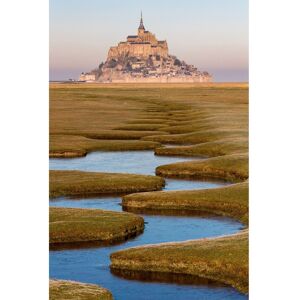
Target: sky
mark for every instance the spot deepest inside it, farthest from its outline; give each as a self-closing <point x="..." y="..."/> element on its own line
<point x="210" y="34"/>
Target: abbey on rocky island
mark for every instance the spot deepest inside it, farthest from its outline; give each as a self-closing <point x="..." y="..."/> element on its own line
<point x="143" y="58"/>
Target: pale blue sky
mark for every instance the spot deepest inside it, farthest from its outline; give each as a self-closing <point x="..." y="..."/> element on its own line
<point x="211" y="34"/>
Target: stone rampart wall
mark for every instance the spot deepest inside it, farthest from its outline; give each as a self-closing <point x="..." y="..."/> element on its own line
<point x="192" y="79"/>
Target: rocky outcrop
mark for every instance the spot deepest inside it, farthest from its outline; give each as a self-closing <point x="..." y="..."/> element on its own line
<point x="133" y="69"/>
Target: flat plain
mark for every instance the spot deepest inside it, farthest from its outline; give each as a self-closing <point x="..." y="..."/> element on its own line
<point x="201" y="120"/>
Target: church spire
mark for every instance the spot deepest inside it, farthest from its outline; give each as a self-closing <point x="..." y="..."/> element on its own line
<point x="141" y="22"/>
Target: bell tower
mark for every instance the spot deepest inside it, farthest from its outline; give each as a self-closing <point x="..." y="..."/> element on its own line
<point x="141" y="28"/>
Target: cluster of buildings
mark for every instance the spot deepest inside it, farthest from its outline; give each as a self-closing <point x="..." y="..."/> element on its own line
<point x="143" y="58"/>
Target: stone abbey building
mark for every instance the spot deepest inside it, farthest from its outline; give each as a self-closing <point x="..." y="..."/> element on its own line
<point x="142" y="45"/>
<point x="143" y="58"/>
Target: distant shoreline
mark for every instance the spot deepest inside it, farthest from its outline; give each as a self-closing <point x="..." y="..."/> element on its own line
<point x="152" y="83"/>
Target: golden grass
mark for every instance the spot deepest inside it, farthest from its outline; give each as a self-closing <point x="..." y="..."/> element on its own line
<point x="230" y="201"/>
<point x="224" y="259"/>
<point x="76" y="225"/>
<point x="140" y="127"/>
<point x="73" y="146"/>
<point x="232" y="167"/>
<point x="209" y="149"/>
<point x="72" y="183"/>
<point x="66" y="290"/>
<point x="202" y="136"/>
<point x="175" y="113"/>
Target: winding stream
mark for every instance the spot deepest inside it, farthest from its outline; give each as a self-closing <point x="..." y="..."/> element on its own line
<point x="91" y="265"/>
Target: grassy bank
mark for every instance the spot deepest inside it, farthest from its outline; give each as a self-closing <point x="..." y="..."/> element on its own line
<point x="74" y="146"/>
<point x="210" y="149"/>
<point x="230" y="201"/>
<point x="64" y="290"/>
<point x="197" y="137"/>
<point x="230" y="167"/>
<point x="78" y="183"/>
<point x="223" y="259"/>
<point x="75" y="225"/>
<point x="113" y="134"/>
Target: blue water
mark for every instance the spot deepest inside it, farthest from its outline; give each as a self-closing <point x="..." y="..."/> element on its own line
<point x="137" y="162"/>
<point x="91" y="265"/>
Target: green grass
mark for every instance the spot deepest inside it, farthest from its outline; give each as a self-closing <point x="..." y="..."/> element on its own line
<point x="230" y="167"/>
<point x="230" y="201"/>
<point x="66" y="290"/>
<point x="73" y="146"/>
<point x="78" y="183"/>
<point x="223" y="259"/>
<point x="76" y="225"/>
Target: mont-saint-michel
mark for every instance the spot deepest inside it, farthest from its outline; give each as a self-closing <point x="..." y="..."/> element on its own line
<point x="143" y="58"/>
